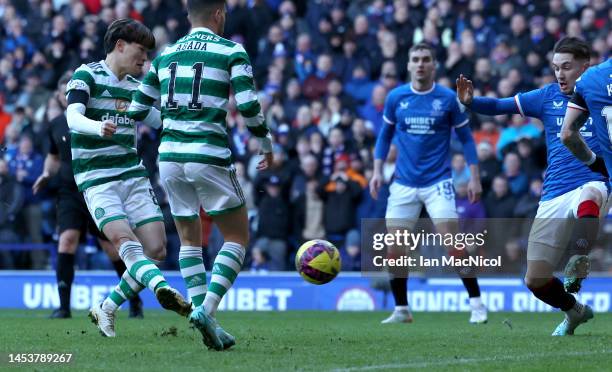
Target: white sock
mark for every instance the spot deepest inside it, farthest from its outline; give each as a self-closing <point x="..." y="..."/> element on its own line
<point x="402" y="308"/>
<point x="475" y="302"/>
<point x="228" y="264"/>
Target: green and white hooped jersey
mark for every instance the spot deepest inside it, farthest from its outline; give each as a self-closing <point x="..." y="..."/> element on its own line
<point x="97" y="160"/>
<point x="193" y="78"/>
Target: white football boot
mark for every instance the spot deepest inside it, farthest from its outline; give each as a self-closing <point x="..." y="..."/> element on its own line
<point x="479" y="315"/>
<point x="399" y="316"/>
<point x="104" y="320"/>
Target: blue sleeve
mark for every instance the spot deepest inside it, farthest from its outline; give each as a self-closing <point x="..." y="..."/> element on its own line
<point x="469" y="147"/>
<point x="494" y="106"/>
<point x="389" y="110"/>
<point x="383" y="142"/>
<point x="530" y="103"/>
<point x="458" y="116"/>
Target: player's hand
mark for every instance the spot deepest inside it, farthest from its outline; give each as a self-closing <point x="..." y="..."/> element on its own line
<point x="465" y="90"/>
<point x="41" y="182"/>
<point x="375" y="184"/>
<point x="474" y="191"/>
<point x="599" y="166"/>
<point x="108" y="129"/>
<point x="265" y="162"/>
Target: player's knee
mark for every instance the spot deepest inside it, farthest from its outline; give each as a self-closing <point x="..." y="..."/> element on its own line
<point x="69" y="241"/>
<point x="535" y="283"/>
<point x="157" y="251"/>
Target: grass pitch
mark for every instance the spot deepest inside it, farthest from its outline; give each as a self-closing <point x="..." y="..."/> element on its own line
<point x="312" y="341"/>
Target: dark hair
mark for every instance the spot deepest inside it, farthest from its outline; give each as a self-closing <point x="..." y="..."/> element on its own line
<point x="203" y="8"/>
<point x="574" y="46"/>
<point x="423" y="46"/>
<point x="130" y="31"/>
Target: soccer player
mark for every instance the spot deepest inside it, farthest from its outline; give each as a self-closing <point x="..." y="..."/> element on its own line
<point x="422" y="115"/>
<point x="572" y="192"/>
<point x="592" y="94"/>
<point x="109" y="172"/>
<point x="73" y="218"/>
<point x="193" y="78"/>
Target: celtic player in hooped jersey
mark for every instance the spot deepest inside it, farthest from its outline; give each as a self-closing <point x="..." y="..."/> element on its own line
<point x="193" y="78"/>
<point x="110" y="173"/>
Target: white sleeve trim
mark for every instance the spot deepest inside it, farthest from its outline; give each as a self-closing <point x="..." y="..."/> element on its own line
<point x="77" y="121"/>
<point x="265" y="143"/>
<point x="518" y="104"/>
<point x="462" y="124"/>
<point x="577" y="107"/>
<point x="153" y="119"/>
<point x="387" y="120"/>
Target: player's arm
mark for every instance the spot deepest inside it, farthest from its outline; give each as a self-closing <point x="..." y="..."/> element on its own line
<point x="50" y="169"/>
<point x="243" y="85"/>
<point x="141" y="108"/>
<point x="485" y="105"/>
<point x="383" y="144"/>
<point x="460" y="122"/>
<point x="576" y="115"/>
<point x="78" y="92"/>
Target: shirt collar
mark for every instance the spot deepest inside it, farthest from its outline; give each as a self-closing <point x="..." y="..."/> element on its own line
<point x="201" y="29"/>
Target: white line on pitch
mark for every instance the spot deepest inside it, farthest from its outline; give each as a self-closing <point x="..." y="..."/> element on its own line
<point x="426" y="364"/>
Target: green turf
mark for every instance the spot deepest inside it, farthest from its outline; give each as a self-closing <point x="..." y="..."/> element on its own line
<point x="314" y="341"/>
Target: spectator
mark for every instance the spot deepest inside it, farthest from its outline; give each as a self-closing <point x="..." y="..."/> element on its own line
<point x="488" y="164"/>
<point x="273" y="224"/>
<point x="373" y="110"/>
<point x="11" y="198"/>
<point x="315" y="85"/>
<point x="351" y="253"/>
<point x="500" y="203"/>
<point x="527" y="205"/>
<point x="517" y="179"/>
<point x="26" y="167"/>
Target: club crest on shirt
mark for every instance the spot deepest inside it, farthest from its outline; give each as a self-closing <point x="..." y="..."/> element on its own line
<point x="436" y="107"/>
<point x="121" y="105"/>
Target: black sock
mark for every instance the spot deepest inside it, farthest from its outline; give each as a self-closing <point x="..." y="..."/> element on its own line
<point x="399" y="288"/>
<point x="471" y="286"/>
<point x="119" y="267"/>
<point x="65" y="275"/>
<point x="555" y="295"/>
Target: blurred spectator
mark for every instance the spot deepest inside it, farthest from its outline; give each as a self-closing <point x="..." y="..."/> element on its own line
<point x="11" y="199"/>
<point x="527" y="205"/>
<point x="373" y="110"/>
<point x="519" y="127"/>
<point x="460" y="169"/>
<point x="26" y="167"/>
<point x="488" y="164"/>
<point x="315" y="85"/>
<point x="517" y="179"/>
<point x="273" y="225"/>
<point x="500" y="202"/>
<point x="259" y="260"/>
<point x="351" y="252"/>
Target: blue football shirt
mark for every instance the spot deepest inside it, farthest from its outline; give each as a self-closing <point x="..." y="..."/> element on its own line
<point x="564" y="172"/>
<point x="593" y="93"/>
<point x="423" y="125"/>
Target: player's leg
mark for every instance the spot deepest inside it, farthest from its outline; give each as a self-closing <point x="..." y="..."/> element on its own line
<point x="548" y="238"/>
<point x="221" y="196"/>
<point x="588" y="210"/>
<point x="146" y="219"/>
<point x="131" y="287"/>
<point x="403" y="209"/>
<point x="439" y="201"/>
<point x="71" y="214"/>
<point x="185" y="207"/>
<point x="68" y="243"/>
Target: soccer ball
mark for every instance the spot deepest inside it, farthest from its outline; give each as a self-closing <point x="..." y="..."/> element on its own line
<point x="318" y="261"/>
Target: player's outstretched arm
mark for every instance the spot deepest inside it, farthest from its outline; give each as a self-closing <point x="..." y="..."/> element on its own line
<point x="484" y="105"/>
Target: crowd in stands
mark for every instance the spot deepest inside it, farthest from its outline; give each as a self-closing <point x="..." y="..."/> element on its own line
<point x="323" y="69"/>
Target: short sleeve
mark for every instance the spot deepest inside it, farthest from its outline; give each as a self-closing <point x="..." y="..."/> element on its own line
<point x="530" y="103"/>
